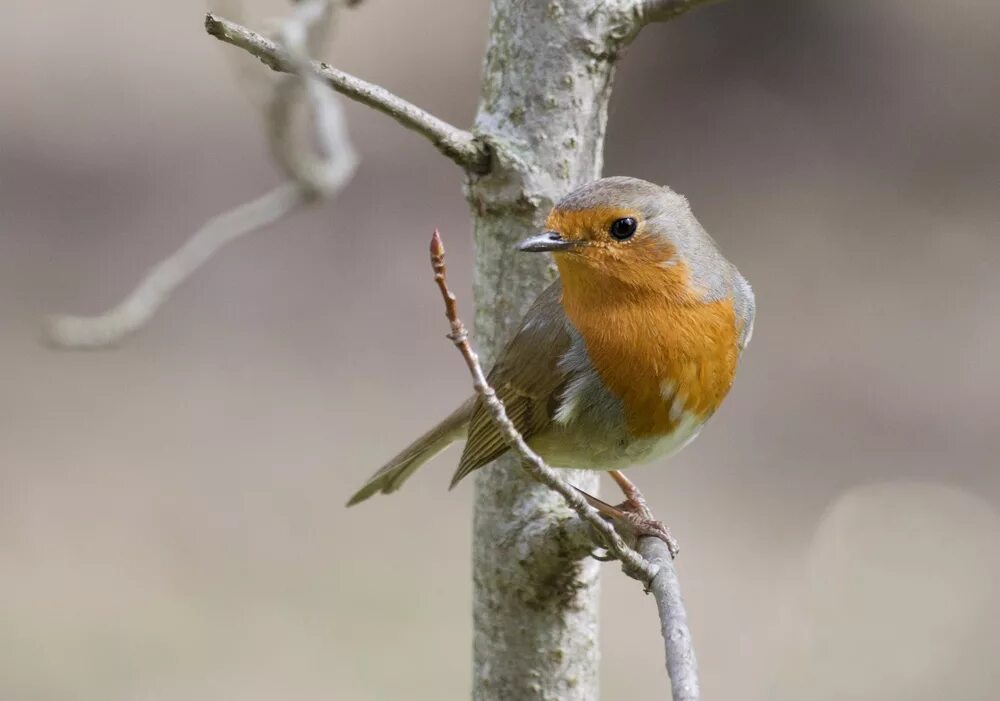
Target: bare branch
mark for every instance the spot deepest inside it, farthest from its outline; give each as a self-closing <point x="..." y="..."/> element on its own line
<point x="664" y="10"/>
<point x="457" y="144"/>
<point x="313" y="176"/>
<point x="163" y="278"/>
<point x="682" y="665"/>
<point x="325" y="172"/>
<point x="654" y="568"/>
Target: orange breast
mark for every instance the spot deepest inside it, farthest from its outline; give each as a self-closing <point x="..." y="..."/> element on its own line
<point x="662" y="353"/>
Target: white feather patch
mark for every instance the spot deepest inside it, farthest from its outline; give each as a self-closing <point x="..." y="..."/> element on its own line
<point x="570" y="400"/>
<point x="668" y="388"/>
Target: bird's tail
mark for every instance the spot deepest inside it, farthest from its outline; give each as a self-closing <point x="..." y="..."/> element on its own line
<point x="391" y="476"/>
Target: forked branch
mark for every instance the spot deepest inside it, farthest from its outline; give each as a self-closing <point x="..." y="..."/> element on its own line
<point x="654" y="567"/>
<point x="457" y="144"/>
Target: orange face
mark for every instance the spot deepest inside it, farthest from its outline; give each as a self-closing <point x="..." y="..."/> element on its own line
<point x="651" y="335"/>
<point x="642" y="260"/>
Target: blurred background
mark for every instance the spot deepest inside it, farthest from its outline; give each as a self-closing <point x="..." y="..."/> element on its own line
<point x="171" y="511"/>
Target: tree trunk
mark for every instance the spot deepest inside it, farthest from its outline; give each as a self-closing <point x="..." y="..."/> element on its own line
<point x="546" y="84"/>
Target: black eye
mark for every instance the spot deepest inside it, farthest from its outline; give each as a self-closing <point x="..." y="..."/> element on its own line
<point x="622" y="229"/>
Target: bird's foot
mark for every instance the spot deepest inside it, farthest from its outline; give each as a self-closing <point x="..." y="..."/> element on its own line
<point x="634" y="513"/>
<point x="639" y="519"/>
<point x="638" y="514"/>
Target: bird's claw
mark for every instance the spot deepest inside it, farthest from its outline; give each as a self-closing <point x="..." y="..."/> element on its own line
<point x="636" y="514"/>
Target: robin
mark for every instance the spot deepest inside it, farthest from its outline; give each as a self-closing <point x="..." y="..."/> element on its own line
<point x="619" y="361"/>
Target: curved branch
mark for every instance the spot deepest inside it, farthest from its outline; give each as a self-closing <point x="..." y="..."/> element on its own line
<point x="327" y="170"/>
<point x="653" y="567"/>
<point x="163" y="278"/>
<point x="313" y="176"/>
<point x="532" y="462"/>
<point x="457" y="144"/>
<point x="682" y="665"/>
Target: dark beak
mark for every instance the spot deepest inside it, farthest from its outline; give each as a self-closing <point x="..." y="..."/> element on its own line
<point x="546" y="241"/>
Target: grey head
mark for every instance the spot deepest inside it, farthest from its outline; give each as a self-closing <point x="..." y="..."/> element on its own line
<point x="666" y="214"/>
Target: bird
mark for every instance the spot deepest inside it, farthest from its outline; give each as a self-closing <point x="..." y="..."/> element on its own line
<point x="623" y="358"/>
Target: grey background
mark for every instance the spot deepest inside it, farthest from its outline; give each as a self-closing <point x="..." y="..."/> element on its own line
<point x="171" y="520"/>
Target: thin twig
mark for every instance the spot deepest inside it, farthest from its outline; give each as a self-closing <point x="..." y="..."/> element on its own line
<point x="138" y="307"/>
<point x="313" y="176"/>
<point x="328" y="169"/>
<point x="457" y="144"/>
<point x="532" y="462"/>
<point x="654" y="567"/>
<point x="682" y="665"/>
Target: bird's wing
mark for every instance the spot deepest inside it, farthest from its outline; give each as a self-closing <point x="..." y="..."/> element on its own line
<point x="527" y="378"/>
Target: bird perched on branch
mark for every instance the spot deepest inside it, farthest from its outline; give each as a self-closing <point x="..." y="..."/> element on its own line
<point x="624" y="357"/>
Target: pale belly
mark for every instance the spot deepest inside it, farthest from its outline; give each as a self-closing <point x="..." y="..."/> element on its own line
<point x="585" y="446"/>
